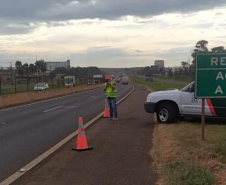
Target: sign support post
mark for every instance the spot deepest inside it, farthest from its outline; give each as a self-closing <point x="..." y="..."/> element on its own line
<point x="203" y="120"/>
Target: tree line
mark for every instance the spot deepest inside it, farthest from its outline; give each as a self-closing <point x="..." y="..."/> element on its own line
<point x="23" y="70"/>
<point x="27" y="69"/>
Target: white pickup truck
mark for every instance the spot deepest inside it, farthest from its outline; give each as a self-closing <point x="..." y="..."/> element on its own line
<point x="172" y="104"/>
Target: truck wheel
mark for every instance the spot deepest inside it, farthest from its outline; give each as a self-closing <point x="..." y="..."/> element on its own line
<point x="166" y="113"/>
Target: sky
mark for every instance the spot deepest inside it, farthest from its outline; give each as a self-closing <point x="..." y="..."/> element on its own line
<point x="108" y="33"/>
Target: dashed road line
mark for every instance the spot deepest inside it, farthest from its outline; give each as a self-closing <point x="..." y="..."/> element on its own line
<point x="92" y="96"/>
<point x="73" y="106"/>
<point x="52" y="109"/>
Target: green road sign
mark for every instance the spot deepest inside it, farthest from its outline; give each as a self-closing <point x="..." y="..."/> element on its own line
<point x="210" y="75"/>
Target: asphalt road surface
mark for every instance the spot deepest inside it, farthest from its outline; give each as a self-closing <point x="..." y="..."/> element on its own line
<point x="120" y="155"/>
<point x="28" y="131"/>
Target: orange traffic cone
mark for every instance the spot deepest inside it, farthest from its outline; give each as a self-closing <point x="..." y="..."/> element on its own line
<point x="106" y="110"/>
<point x="81" y="139"/>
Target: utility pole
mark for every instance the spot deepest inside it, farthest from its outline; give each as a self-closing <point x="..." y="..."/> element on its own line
<point x="87" y="74"/>
<point x="36" y="66"/>
<point x="11" y="71"/>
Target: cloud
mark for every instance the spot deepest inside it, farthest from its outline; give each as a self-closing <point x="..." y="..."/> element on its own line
<point x="14" y="14"/>
<point x="203" y="26"/>
<point x="98" y="55"/>
<point x="121" y="57"/>
<point x="175" y="55"/>
<point x="222" y="25"/>
<point x="59" y="24"/>
<point x="127" y="30"/>
<point x="219" y="14"/>
<point x="58" y="10"/>
<point x="221" y="37"/>
<point x="16" y="28"/>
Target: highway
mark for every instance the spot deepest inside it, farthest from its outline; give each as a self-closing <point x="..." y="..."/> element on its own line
<point x="28" y="131"/>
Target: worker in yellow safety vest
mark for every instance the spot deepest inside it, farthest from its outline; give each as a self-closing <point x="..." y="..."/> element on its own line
<point x="111" y="95"/>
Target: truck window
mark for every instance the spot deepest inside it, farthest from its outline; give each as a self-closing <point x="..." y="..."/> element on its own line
<point x="193" y="87"/>
<point x="189" y="88"/>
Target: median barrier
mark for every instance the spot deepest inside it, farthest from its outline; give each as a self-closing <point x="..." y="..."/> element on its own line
<point x="20" y="98"/>
<point x="33" y="96"/>
<point x="6" y="100"/>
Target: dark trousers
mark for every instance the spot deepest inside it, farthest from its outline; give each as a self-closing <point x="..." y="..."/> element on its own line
<point x="113" y="107"/>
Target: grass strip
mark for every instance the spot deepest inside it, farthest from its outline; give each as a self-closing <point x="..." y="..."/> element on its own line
<point x="156" y="85"/>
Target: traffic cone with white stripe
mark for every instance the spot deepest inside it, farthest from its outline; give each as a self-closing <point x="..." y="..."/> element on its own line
<point x="81" y="139"/>
<point x="106" y="110"/>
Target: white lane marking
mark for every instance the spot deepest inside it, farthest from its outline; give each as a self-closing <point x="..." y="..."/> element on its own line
<point x="72" y="106"/>
<point x="92" y="96"/>
<point x="49" y="99"/>
<point x="22" y="170"/>
<point x="40" y="158"/>
<point x="53" y="109"/>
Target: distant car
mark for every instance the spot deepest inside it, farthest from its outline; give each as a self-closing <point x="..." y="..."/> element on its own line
<point x="118" y="80"/>
<point x="41" y="86"/>
<point x="125" y="80"/>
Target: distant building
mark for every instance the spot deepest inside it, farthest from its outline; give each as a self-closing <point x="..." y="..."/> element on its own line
<point x="160" y="63"/>
<point x="50" y="66"/>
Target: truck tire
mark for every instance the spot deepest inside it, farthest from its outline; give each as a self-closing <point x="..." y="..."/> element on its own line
<point x="166" y="113"/>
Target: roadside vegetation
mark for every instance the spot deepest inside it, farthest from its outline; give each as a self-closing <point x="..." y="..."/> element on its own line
<point x="155" y="85"/>
<point x="181" y="78"/>
<point x="180" y="157"/>
<point x="12" y="91"/>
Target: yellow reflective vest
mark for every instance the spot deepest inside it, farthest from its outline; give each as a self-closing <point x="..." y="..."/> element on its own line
<point x="110" y="92"/>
